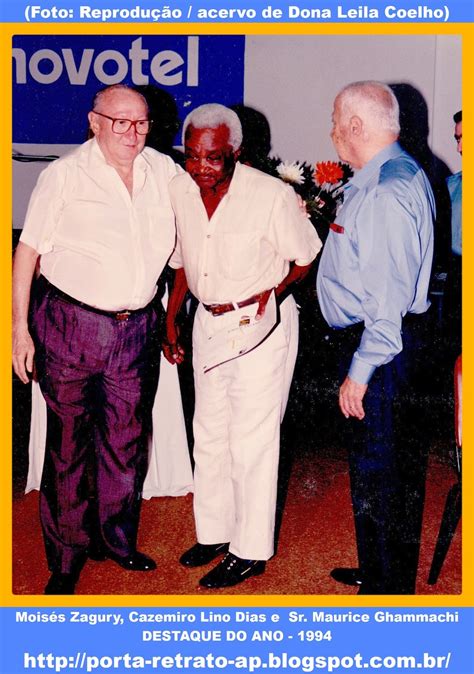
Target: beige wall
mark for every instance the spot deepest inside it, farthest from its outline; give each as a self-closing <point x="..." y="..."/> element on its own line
<point x="293" y="80"/>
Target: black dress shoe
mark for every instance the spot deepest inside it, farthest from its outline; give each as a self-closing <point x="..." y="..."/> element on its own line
<point x="201" y="554"/>
<point x="347" y="576"/>
<point x="137" y="561"/>
<point x="231" y="571"/>
<point x="61" y="583"/>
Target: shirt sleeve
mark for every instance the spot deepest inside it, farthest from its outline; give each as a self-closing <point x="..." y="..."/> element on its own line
<point x="176" y="259"/>
<point x="174" y="169"/>
<point x="45" y="208"/>
<point x="291" y="232"/>
<point x="390" y="263"/>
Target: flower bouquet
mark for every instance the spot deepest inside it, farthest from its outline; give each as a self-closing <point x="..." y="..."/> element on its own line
<point x="320" y="186"/>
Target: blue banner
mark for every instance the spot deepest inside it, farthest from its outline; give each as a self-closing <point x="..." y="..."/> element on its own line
<point x="233" y="639"/>
<point x="116" y="11"/>
<point x="53" y="75"/>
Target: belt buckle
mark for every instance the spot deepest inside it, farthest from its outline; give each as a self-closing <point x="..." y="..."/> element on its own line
<point x="122" y="315"/>
<point x="212" y="307"/>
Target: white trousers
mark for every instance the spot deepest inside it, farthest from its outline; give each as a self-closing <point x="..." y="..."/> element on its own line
<point x="239" y="408"/>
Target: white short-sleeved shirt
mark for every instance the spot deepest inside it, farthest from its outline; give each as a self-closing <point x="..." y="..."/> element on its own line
<point x="248" y="243"/>
<point x="97" y="243"/>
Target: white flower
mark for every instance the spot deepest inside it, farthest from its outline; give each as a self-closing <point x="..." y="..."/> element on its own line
<point x="291" y="173"/>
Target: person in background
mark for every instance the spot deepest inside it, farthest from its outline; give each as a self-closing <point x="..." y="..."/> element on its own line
<point x="100" y="219"/>
<point x="242" y="239"/>
<point x="372" y="287"/>
<point x="453" y="300"/>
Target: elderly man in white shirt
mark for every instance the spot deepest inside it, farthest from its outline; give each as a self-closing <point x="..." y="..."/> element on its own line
<point x="100" y="219"/>
<point x="241" y="236"/>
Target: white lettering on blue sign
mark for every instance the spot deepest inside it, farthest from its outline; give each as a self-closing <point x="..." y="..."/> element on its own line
<point x="167" y="67"/>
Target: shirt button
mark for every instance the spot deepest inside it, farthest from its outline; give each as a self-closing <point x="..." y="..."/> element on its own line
<point x="208" y="236"/>
<point x="205" y="274"/>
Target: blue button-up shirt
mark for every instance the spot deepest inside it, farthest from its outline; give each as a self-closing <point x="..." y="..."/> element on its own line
<point x="455" y="192"/>
<point x="376" y="262"/>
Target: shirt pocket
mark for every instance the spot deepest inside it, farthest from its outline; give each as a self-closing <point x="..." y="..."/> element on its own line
<point x="161" y="229"/>
<point x="238" y="254"/>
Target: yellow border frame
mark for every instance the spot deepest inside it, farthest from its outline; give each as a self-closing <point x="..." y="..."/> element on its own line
<point x="8" y="599"/>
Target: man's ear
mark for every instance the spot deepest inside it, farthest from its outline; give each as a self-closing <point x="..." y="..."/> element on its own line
<point x="93" y="123"/>
<point x="237" y="153"/>
<point x="356" y="125"/>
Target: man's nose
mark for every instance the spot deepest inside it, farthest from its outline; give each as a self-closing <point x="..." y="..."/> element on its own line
<point x="132" y="130"/>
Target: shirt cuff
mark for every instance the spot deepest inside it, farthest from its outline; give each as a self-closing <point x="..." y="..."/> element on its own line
<point x="176" y="260"/>
<point x="175" y="264"/>
<point x="305" y="262"/>
<point x="360" y="371"/>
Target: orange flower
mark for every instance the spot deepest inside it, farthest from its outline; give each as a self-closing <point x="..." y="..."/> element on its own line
<point x="328" y="172"/>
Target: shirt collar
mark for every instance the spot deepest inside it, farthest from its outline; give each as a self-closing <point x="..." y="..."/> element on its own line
<point x="373" y="166"/>
<point x="236" y="184"/>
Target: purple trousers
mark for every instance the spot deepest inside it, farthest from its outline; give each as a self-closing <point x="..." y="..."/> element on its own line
<point x="99" y="377"/>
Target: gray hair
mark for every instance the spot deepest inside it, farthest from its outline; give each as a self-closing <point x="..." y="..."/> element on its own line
<point x="213" y="115"/>
<point x="374" y="102"/>
<point x="103" y="93"/>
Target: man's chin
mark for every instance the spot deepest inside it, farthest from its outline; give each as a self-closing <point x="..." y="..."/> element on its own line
<point x="131" y="150"/>
<point x="204" y="182"/>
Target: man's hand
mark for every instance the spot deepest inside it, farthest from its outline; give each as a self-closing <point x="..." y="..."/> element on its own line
<point x="23" y="352"/>
<point x="172" y="350"/>
<point x="174" y="353"/>
<point x="302" y="205"/>
<point x="350" y="398"/>
<point x="262" y="303"/>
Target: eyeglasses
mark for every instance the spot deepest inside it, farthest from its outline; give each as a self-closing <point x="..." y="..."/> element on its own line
<point x="120" y="126"/>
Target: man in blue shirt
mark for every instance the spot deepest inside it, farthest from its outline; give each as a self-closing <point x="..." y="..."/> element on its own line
<point x="372" y="287"/>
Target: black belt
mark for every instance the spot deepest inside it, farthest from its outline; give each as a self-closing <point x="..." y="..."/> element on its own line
<point x="122" y="315"/>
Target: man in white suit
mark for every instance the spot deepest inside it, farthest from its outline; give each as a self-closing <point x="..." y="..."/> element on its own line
<point x="241" y="235"/>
